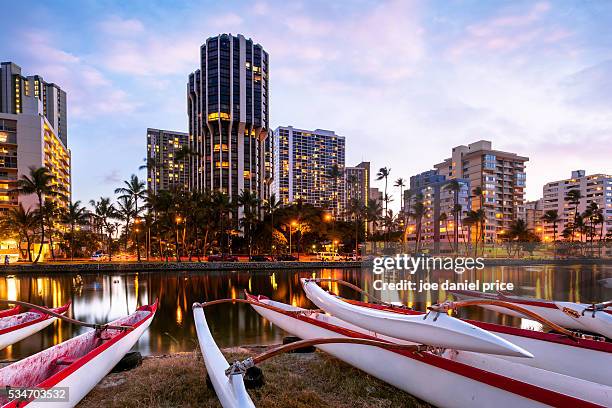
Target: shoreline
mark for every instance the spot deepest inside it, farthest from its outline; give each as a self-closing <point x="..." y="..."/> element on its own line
<point x="95" y="267"/>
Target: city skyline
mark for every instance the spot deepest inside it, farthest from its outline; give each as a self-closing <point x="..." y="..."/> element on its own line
<point x="530" y="77"/>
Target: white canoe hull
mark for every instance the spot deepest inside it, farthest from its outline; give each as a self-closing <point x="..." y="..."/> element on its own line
<point x="434" y="329"/>
<point x="230" y="390"/>
<point x="82" y="377"/>
<point x="557" y="312"/>
<point x="444" y="386"/>
<point x="14" y="336"/>
<point x="579" y="356"/>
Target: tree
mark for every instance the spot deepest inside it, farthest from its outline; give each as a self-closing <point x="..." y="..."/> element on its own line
<point x="50" y="213"/>
<point x="454" y="186"/>
<point x="126" y="212"/>
<point x="136" y="189"/>
<point x="401" y="183"/>
<point x="75" y="215"/>
<point x="104" y="212"/>
<point x="334" y="173"/>
<point x="270" y="206"/>
<point x="39" y="182"/>
<point x="22" y="223"/>
<point x="552" y="217"/>
<point x="249" y="201"/>
<point x="357" y="211"/>
<point x="475" y="219"/>
<point x="384" y="173"/>
<point x="573" y="197"/>
<point x="417" y="213"/>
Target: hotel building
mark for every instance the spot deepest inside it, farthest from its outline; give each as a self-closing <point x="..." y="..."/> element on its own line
<point x="500" y="175"/>
<point x="303" y="160"/>
<point x="357" y="181"/>
<point x="33" y="133"/>
<point x="595" y="188"/>
<point x="227" y="102"/>
<point x="437" y="199"/>
<point x="164" y="170"/>
<point x="533" y="217"/>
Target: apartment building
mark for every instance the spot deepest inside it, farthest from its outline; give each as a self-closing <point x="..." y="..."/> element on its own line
<point x="438" y="197"/>
<point x="33" y="133"/>
<point x="501" y="176"/>
<point x="167" y="163"/>
<point x="594" y="188"/>
<point x="228" y="110"/>
<point x="534" y="210"/>
<point x="357" y="180"/>
<point x="303" y="165"/>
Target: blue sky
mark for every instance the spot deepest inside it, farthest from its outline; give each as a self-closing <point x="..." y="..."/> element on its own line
<point x="404" y="81"/>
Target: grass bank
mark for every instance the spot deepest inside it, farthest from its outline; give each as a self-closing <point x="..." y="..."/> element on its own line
<point x="291" y="381"/>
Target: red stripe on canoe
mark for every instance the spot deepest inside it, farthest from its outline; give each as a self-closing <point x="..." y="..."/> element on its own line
<point x="517" y="387"/>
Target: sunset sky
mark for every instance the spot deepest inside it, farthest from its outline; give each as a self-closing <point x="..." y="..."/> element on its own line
<point x="403" y="81"/>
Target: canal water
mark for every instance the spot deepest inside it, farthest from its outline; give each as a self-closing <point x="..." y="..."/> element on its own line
<point x="100" y="298"/>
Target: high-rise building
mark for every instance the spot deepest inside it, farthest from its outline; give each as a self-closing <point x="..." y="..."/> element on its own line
<point x="33" y="133"/>
<point x="303" y="165"/>
<point x="228" y="108"/>
<point x="167" y="160"/>
<point x="357" y="181"/>
<point x="595" y="188"/>
<point x="533" y="217"/>
<point x="435" y="192"/>
<point x="500" y="175"/>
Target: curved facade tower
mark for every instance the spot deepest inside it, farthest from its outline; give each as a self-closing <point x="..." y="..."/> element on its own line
<point x="228" y="117"/>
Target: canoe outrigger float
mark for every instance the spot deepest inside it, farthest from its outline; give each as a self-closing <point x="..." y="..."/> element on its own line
<point x="79" y="363"/>
<point x="593" y="318"/>
<point x="444" y="377"/>
<point x="16" y="326"/>
<point x="230" y="388"/>
<point x="435" y="330"/>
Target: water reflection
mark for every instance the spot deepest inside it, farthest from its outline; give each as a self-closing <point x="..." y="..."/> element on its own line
<point x="102" y="297"/>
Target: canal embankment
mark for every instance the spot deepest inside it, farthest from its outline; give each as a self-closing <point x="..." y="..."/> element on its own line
<point x="96" y="267"/>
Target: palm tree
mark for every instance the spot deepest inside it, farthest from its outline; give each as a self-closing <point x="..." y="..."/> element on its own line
<point x="39" y="182"/>
<point x="454" y="186"/>
<point x="334" y="173"/>
<point x="223" y="207"/>
<point x="270" y="206"/>
<point x="573" y="197"/>
<point x="444" y="218"/>
<point x="126" y="211"/>
<point x="249" y="201"/>
<point x="135" y="189"/>
<point x="475" y="218"/>
<point x="384" y="173"/>
<point x="74" y="216"/>
<point x="373" y="211"/>
<point x="479" y="192"/>
<point x="418" y="212"/>
<point x="23" y="223"/>
<point x="401" y="183"/>
<point x="104" y="212"/>
<point x="357" y="211"/>
<point x="552" y="217"/>
<point x="50" y="213"/>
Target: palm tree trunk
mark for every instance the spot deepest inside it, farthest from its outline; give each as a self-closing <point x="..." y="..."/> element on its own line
<point x="137" y="237"/>
<point x="42" y="228"/>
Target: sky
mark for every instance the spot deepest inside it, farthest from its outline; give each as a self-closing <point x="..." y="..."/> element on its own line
<point x="403" y="81"/>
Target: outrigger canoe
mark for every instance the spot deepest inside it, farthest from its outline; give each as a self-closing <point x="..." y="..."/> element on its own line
<point x="447" y="378"/>
<point x="230" y="389"/>
<point x="435" y="330"/>
<point x="578" y="316"/>
<point x="583" y="358"/>
<point x="15" y="326"/>
<point x="79" y="363"/>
